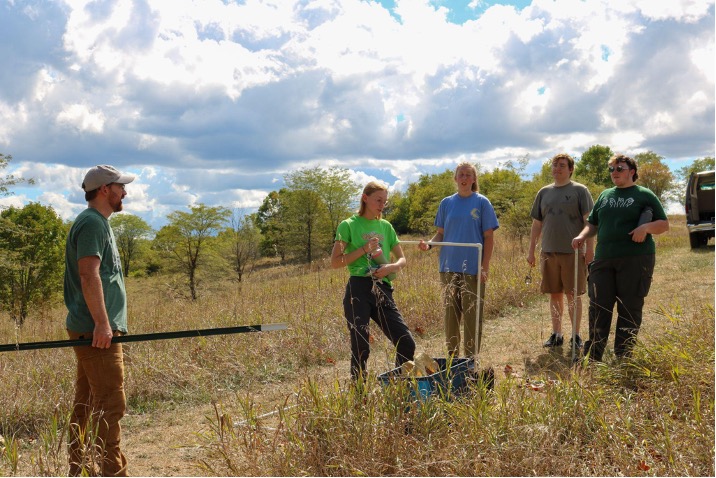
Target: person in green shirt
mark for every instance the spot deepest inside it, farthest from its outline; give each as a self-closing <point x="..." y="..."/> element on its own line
<point x="97" y="308"/>
<point x="623" y="260"/>
<point x="363" y="244"/>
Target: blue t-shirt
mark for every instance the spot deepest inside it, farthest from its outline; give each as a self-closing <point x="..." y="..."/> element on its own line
<point x="463" y="220"/>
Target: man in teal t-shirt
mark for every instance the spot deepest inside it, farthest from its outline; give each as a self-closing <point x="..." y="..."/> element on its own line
<point x="97" y="308"/>
<point x="92" y="236"/>
<point x="624" y="258"/>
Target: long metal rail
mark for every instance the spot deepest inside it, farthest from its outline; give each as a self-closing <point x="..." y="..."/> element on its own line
<point x="54" y="344"/>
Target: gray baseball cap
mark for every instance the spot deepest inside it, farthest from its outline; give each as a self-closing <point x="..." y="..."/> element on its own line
<point x="104" y="174"/>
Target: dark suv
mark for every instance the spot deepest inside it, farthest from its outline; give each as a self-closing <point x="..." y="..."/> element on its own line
<point x="699" y="206"/>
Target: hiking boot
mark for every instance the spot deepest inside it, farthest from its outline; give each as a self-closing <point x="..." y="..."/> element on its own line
<point x="577" y="342"/>
<point x="554" y="341"/>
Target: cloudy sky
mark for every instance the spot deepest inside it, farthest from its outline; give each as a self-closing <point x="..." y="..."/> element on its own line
<point x="213" y="101"/>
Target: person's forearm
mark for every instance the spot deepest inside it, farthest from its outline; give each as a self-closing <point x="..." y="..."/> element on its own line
<point x="94" y="297"/>
<point x="339" y="259"/>
<point x="535" y="232"/>
<point x="590" y="244"/>
<point x="589" y="231"/>
<point x="657" y="227"/>
<point x="488" y="246"/>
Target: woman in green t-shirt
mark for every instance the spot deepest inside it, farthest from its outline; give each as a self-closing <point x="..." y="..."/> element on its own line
<point x="624" y="258"/>
<point x="364" y="244"/>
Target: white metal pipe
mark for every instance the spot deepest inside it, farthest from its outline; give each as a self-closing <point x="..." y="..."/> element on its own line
<point x="574" y="305"/>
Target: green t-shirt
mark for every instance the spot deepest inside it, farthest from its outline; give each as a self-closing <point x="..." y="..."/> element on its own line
<point x="91" y="235"/>
<point x="356" y="231"/>
<point x="616" y="213"/>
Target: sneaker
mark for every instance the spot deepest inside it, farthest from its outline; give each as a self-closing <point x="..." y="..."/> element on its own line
<point x="554" y="341"/>
<point x="577" y="341"/>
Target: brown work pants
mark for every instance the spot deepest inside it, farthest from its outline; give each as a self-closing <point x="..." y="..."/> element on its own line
<point x="460" y="299"/>
<point x="98" y="407"/>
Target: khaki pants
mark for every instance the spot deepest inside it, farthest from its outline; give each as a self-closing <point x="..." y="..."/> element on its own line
<point x="460" y="299"/>
<point x="99" y="396"/>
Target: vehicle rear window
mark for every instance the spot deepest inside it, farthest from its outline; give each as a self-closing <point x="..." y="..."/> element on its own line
<point x="706" y="187"/>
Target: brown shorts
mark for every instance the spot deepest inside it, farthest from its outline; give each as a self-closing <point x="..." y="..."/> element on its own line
<point x="558" y="273"/>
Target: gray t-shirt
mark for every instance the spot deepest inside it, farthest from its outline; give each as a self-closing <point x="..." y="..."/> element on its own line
<point x="561" y="209"/>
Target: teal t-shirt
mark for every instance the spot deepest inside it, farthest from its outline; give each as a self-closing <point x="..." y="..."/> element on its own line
<point x="356" y="231"/>
<point x="91" y="235"/>
<point x="616" y="212"/>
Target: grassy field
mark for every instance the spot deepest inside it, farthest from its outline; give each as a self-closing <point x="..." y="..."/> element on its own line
<point x="277" y="403"/>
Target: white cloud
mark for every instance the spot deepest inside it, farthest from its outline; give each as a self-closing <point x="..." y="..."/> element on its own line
<point x="63" y="207"/>
<point x="215" y="101"/>
<point x="13" y="201"/>
<point x="702" y="57"/>
<point x="81" y="118"/>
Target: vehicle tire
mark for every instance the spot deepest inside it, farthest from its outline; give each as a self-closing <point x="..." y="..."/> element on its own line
<point x="695" y="240"/>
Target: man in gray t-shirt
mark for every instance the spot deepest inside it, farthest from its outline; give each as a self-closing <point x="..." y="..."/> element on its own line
<point x="559" y="210"/>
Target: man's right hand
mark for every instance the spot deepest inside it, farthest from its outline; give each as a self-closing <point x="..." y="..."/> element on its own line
<point x="578" y="241"/>
<point x="102" y="336"/>
<point x="531" y="258"/>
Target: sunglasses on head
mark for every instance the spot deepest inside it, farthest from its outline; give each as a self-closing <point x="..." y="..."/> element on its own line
<point x="618" y="168"/>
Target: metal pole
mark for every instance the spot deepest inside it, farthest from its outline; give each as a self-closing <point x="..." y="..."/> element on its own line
<point x="574" y="305"/>
<point x="54" y="344"/>
<point x="479" y="283"/>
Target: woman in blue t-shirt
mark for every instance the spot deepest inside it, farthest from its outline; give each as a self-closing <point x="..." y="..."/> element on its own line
<point x="465" y="217"/>
<point x="364" y="243"/>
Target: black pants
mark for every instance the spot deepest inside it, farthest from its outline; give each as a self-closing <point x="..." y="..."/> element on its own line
<point x="367" y="299"/>
<point x="626" y="282"/>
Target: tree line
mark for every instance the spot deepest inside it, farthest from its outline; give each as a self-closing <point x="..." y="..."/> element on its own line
<point x="297" y="224"/>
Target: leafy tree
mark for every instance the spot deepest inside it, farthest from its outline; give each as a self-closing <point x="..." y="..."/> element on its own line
<point x="301" y="218"/>
<point x="312" y="224"/>
<point x="655" y="175"/>
<point x="129" y="230"/>
<point x="32" y="239"/>
<point x="271" y="220"/>
<point x="592" y="166"/>
<point x="517" y="220"/>
<point x="9" y="180"/>
<point x="309" y="230"/>
<point x="337" y="190"/>
<point x="701" y="164"/>
<point x="397" y="212"/>
<point x="511" y="196"/>
<point x="544" y="176"/>
<point x="424" y="199"/>
<point x="503" y="188"/>
<point x="187" y="237"/>
<point x="241" y="241"/>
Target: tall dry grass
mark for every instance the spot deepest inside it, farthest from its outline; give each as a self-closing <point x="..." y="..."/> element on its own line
<point x="647" y="410"/>
<point x="650" y="415"/>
